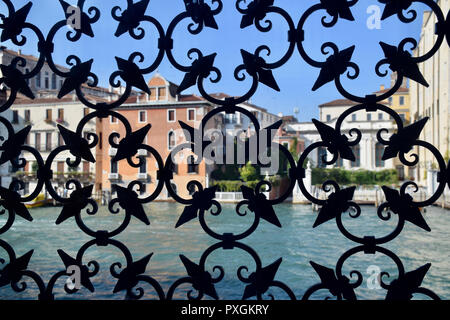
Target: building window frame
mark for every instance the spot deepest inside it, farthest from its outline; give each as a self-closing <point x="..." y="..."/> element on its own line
<point x="174" y="115"/>
<point x="114" y="166"/>
<point x="379" y="151"/>
<point x="169" y="136"/>
<point x="15" y="117"/>
<point x="192" y="167"/>
<point x="145" y="116"/>
<point x="143" y="165"/>
<point x="27" y="115"/>
<point x="187" y="114"/>
<point x="357" y="153"/>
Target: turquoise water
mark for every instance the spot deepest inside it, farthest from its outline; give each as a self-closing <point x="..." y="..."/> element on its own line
<point x="297" y="243"/>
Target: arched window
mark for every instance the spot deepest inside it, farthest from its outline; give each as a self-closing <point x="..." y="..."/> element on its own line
<point x="357" y="152"/>
<point x="192" y="166"/>
<point x="379" y="150"/>
<point x="171" y="140"/>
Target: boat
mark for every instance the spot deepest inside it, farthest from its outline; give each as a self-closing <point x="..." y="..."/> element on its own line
<point x="39" y="201"/>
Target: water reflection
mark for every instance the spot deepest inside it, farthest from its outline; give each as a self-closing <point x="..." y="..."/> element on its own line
<point x="297" y="243"/>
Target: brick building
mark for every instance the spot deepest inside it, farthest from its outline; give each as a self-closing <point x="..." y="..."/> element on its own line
<point x="163" y="109"/>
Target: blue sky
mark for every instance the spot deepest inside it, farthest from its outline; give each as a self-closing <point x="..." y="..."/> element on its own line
<point x="295" y="79"/>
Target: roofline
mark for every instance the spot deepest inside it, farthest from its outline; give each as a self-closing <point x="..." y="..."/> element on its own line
<point x="162" y="105"/>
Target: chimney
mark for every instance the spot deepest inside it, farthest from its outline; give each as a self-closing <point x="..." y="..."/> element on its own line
<point x="382" y="87"/>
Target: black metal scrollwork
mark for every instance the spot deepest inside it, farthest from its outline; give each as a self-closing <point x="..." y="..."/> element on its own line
<point x="202" y="15"/>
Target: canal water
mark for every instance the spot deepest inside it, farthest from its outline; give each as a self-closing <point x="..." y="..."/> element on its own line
<point x="296" y="242"/>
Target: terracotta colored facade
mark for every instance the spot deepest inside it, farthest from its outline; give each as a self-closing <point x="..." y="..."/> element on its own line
<point x="163" y="109"/>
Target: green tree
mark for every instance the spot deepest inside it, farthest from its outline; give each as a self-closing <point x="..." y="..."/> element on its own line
<point x="249" y="172"/>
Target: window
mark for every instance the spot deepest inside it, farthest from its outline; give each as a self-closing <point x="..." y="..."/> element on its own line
<point x="48" y="115"/>
<point x="390" y="100"/>
<point x="37" y="141"/>
<point x="38" y="80"/>
<point x="142" y="116"/>
<point x="357" y="152"/>
<point x="54" y="81"/>
<point x="86" y="168"/>
<point x="114" y="119"/>
<point x="47" y="83"/>
<point x="192" y="166"/>
<point x="402" y="101"/>
<point x="27" y="115"/>
<point x="400" y="172"/>
<point x="191" y="114"/>
<point x="143" y="167"/>
<point x="15" y="118"/>
<point x="113" y="166"/>
<point x="403" y="117"/>
<point x="322" y="155"/>
<point x="380" y="116"/>
<point x="162" y="93"/>
<point x="353" y="117"/>
<point x="175" y="168"/>
<point x="171" y="115"/>
<point x="48" y="141"/>
<point x="174" y="188"/>
<point x="60" y="140"/>
<point x="60" y="168"/>
<point x="61" y="115"/>
<point x="379" y="151"/>
<point x="369" y="117"/>
<point x="171" y="140"/>
<point x="27" y="71"/>
<point x="328" y="118"/>
<point x="100" y="140"/>
<point x="152" y="94"/>
<point x="143" y="189"/>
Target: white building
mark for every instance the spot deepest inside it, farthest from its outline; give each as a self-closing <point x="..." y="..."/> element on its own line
<point x="368" y="152"/>
<point x="44" y="113"/>
<point x="239" y="121"/>
<point x="434" y="101"/>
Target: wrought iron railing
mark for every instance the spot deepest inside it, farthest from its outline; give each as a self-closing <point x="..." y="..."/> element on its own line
<point x="202" y="15"/>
